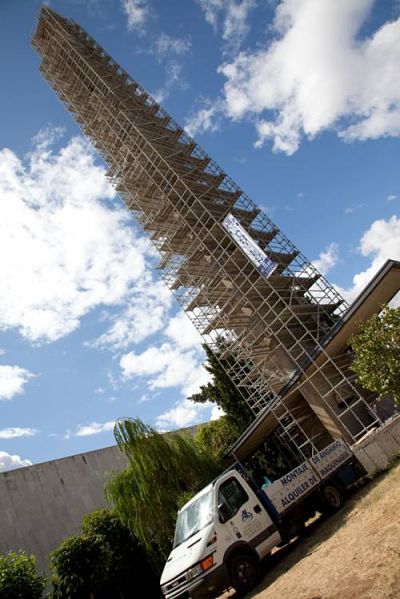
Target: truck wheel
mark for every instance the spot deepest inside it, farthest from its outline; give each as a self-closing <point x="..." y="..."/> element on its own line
<point x="332" y="498"/>
<point x="243" y="572"/>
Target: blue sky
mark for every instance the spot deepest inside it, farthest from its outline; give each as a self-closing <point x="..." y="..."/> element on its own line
<point x="299" y="101"/>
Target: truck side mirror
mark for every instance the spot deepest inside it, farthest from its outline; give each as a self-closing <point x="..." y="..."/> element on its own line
<point x="223" y="513"/>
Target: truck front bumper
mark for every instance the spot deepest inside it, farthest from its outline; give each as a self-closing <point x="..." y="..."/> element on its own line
<point x="208" y="585"/>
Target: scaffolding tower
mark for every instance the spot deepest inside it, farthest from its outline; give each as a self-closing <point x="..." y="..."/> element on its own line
<point x="258" y="303"/>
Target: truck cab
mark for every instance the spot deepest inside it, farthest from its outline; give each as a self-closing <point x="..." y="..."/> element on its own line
<point x="220" y="535"/>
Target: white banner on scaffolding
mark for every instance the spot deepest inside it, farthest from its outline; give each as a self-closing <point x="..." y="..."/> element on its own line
<point x="249" y="246"/>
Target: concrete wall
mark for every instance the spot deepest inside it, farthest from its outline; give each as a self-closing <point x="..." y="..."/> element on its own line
<point x="378" y="448"/>
<point x="43" y="504"/>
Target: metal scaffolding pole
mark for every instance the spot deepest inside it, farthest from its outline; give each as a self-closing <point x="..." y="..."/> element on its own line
<point x="263" y="326"/>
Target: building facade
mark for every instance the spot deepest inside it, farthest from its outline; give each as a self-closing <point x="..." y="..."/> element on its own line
<point x="259" y="304"/>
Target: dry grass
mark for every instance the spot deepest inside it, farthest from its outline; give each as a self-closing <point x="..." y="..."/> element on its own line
<point x="353" y="554"/>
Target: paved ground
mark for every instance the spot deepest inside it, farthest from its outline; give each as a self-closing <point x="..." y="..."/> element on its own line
<point x="354" y="554"/>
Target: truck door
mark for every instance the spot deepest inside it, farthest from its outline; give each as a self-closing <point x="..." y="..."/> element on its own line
<point x="247" y="520"/>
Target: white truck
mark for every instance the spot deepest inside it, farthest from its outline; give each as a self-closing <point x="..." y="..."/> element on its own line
<point x="227" y="528"/>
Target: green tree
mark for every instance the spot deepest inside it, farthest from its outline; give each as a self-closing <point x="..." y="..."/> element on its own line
<point x="129" y="567"/>
<point x="161" y="468"/>
<point x="81" y="566"/>
<point x="18" y="577"/>
<point x="377" y="353"/>
<point x="217" y="436"/>
<point x="269" y="459"/>
<point x="223" y="392"/>
<point x="104" y="561"/>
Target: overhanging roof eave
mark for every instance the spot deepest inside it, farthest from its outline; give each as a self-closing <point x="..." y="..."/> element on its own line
<point x="256" y="428"/>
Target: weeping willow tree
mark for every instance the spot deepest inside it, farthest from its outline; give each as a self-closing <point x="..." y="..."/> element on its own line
<point x="161" y="469"/>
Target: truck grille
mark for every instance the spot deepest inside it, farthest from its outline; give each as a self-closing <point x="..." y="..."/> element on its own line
<point x="175" y="584"/>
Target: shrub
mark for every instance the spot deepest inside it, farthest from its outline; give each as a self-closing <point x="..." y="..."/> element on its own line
<point x="18" y="577"/>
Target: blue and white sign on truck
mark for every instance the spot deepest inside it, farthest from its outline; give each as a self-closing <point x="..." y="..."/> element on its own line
<point x="329" y="459"/>
<point x="288" y="489"/>
<point x="224" y="531"/>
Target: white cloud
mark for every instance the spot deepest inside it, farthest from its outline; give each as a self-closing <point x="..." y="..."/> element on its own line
<point x="229" y="15"/>
<point x="327" y="259"/>
<point x="46" y="137"/>
<point x="391" y="198"/>
<point x="380" y="242"/>
<point x="352" y="209"/>
<point x="167" y="45"/>
<point x="216" y="413"/>
<point x="168" y="48"/>
<point x="206" y="118"/>
<point x="15" y="431"/>
<point x="167" y="366"/>
<point x="183" y="332"/>
<point x="11" y="462"/>
<point x="113" y="380"/>
<point x="94" y="428"/>
<point x="235" y="27"/>
<point x="185" y="413"/>
<point x="174" y="79"/>
<point x="144" y="398"/>
<point x="70" y="251"/>
<point x="315" y="73"/>
<point x="13" y="380"/>
<point x="145" y="314"/>
<point x="137" y="13"/>
<point x="211" y="8"/>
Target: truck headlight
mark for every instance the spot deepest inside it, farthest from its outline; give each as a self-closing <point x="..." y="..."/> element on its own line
<point x="195" y="571"/>
<point x="204" y="565"/>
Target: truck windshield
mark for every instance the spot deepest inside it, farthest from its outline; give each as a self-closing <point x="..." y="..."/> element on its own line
<point x="193" y="518"/>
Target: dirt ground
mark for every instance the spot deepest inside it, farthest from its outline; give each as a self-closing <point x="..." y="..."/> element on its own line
<point x="354" y="554"/>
